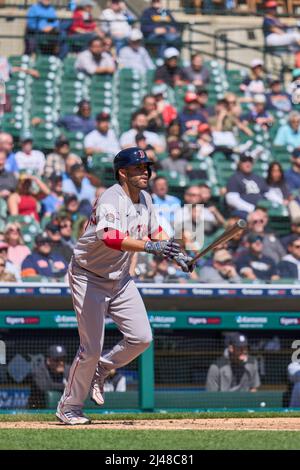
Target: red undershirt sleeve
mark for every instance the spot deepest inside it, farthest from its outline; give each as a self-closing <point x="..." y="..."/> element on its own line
<point x="113" y="238"/>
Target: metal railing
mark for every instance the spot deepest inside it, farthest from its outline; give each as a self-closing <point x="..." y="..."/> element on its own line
<point x="24" y="4"/>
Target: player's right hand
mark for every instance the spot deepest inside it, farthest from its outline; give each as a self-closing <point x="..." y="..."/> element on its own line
<point x="165" y="248"/>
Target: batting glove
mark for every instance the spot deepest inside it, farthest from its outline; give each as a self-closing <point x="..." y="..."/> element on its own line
<point x="182" y="260"/>
<point x="165" y="248"/>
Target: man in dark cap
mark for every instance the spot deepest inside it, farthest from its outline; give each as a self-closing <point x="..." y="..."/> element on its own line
<point x="103" y="139"/>
<point x="236" y="370"/>
<point x="58" y="247"/>
<point x="277" y="99"/>
<point x="82" y="121"/>
<point x="61" y="158"/>
<point x="47" y="375"/>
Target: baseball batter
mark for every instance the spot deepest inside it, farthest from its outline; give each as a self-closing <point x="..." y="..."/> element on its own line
<point x="123" y="222"/>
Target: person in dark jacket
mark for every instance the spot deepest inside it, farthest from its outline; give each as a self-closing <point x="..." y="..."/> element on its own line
<point x="170" y="72"/>
<point x="289" y="266"/>
<point x="58" y="247"/>
<point x="48" y="375"/>
<point x="236" y="370"/>
<point x="190" y="117"/>
<point x="82" y="121"/>
<point x="159" y="25"/>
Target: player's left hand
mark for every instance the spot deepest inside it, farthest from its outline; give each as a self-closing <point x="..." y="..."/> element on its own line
<point x="182" y="260"/>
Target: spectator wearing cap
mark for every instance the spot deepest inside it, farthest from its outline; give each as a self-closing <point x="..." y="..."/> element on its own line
<point x="292" y="175"/>
<point x="10" y="267"/>
<point x="289" y="134"/>
<point x="258" y="114"/>
<point x="82" y="121"/>
<point x="167" y="205"/>
<point x="258" y="224"/>
<point x="54" y="201"/>
<point x="255" y="82"/>
<point x="245" y="188"/>
<point x="170" y="72"/>
<point x="25" y="200"/>
<point x="197" y="73"/>
<point x="159" y="26"/>
<point x="175" y="162"/>
<point x="103" y="139"/>
<point x="222" y="270"/>
<point x="294" y="230"/>
<point x="59" y="160"/>
<point x="7" y="145"/>
<point x="79" y="184"/>
<point x="202" y="96"/>
<point x="277" y="99"/>
<point x="205" y="145"/>
<point x="165" y="109"/>
<point x="115" y="22"/>
<point x="66" y="231"/>
<point x="42" y="262"/>
<point x="17" y="250"/>
<point x="94" y="60"/>
<point x="48" y="375"/>
<point x="58" y="247"/>
<point x="252" y="264"/>
<point x="190" y="117"/>
<point x="5" y="276"/>
<point x="276" y="33"/>
<point x="8" y="181"/>
<point x="71" y="209"/>
<point x="30" y="160"/>
<point x="134" y="56"/>
<point x="139" y="124"/>
<point x="154" y="118"/>
<point x="289" y="266"/>
<point x="236" y="370"/>
<point x="83" y="22"/>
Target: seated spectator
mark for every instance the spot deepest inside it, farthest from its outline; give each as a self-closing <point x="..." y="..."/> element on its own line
<point x="164" y="108"/>
<point x="42" y="19"/>
<point x="8" y="181"/>
<point x="289" y="134"/>
<point x="5" y="276"/>
<point x="55" y="199"/>
<point x="289" y="266"/>
<point x="258" y="114"/>
<point x="294" y="377"/>
<point x="190" y="117"/>
<point x="173" y="131"/>
<point x="78" y="183"/>
<point x="170" y="72"/>
<point x="115" y="382"/>
<point x="154" y="118"/>
<point x="115" y="22"/>
<point x="245" y="188"/>
<point x="278" y="189"/>
<point x="255" y="83"/>
<point x="66" y="231"/>
<point x="42" y="262"/>
<point x="205" y="145"/>
<point x="25" y="200"/>
<point x="62" y="158"/>
<point x="252" y="264"/>
<point x="71" y="209"/>
<point x="7" y="146"/>
<point x="58" y="247"/>
<point x="167" y="205"/>
<point x="292" y="175"/>
<point x="175" y="162"/>
<point x="108" y="47"/>
<point x="277" y="99"/>
<point x="163" y="270"/>
<point x="204" y="108"/>
<point x="10" y="267"/>
<point x="159" y="26"/>
<point x="257" y="223"/>
<point x="94" y="61"/>
<point x="82" y="121"/>
<point x="236" y="370"/>
<point x="83" y="22"/>
<point x="287" y="239"/>
<point x="212" y="217"/>
<point x="103" y="139"/>
<point x="50" y="374"/>
<point x="139" y="124"/>
<point x="197" y="73"/>
<point x="17" y="250"/>
<point x="135" y="56"/>
<point x="28" y="159"/>
<point x="276" y="33"/>
<point x="222" y="270"/>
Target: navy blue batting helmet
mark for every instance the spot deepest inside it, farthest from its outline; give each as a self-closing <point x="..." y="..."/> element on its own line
<point x="131" y="156"/>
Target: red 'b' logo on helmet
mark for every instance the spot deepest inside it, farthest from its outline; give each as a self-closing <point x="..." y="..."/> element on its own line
<point x="141" y="154"/>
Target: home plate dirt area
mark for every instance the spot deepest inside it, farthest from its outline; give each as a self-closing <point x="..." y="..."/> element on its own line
<point x="227" y="424"/>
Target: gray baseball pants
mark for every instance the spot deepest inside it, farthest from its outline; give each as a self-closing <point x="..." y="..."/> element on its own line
<point x="93" y="299"/>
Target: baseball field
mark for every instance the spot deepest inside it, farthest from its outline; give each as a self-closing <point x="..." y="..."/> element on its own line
<point x="155" y="431"/>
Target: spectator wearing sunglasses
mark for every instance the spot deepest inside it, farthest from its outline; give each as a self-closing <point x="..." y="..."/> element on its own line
<point x="289" y="266"/>
<point x="17" y="250"/>
<point x="222" y="270"/>
<point x="66" y="231"/>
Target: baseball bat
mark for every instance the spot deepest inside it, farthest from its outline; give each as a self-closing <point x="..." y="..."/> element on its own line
<point x="224" y="237"/>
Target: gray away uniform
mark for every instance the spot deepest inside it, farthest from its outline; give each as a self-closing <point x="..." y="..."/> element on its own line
<point x="101" y="285"/>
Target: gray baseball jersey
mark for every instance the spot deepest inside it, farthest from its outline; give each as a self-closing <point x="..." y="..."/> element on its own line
<point x="114" y="210"/>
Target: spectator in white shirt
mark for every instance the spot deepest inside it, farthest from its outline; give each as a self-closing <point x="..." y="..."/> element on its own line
<point x="139" y="123"/>
<point x="102" y="139"/>
<point x="135" y="56"/>
<point x="115" y="22"/>
<point x="29" y="160"/>
<point x="95" y="60"/>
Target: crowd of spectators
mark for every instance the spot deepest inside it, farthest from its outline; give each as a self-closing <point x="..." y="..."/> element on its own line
<point x="56" y="189"/>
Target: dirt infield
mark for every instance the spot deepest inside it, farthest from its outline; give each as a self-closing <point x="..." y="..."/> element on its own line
<point x="215" y="424"/>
